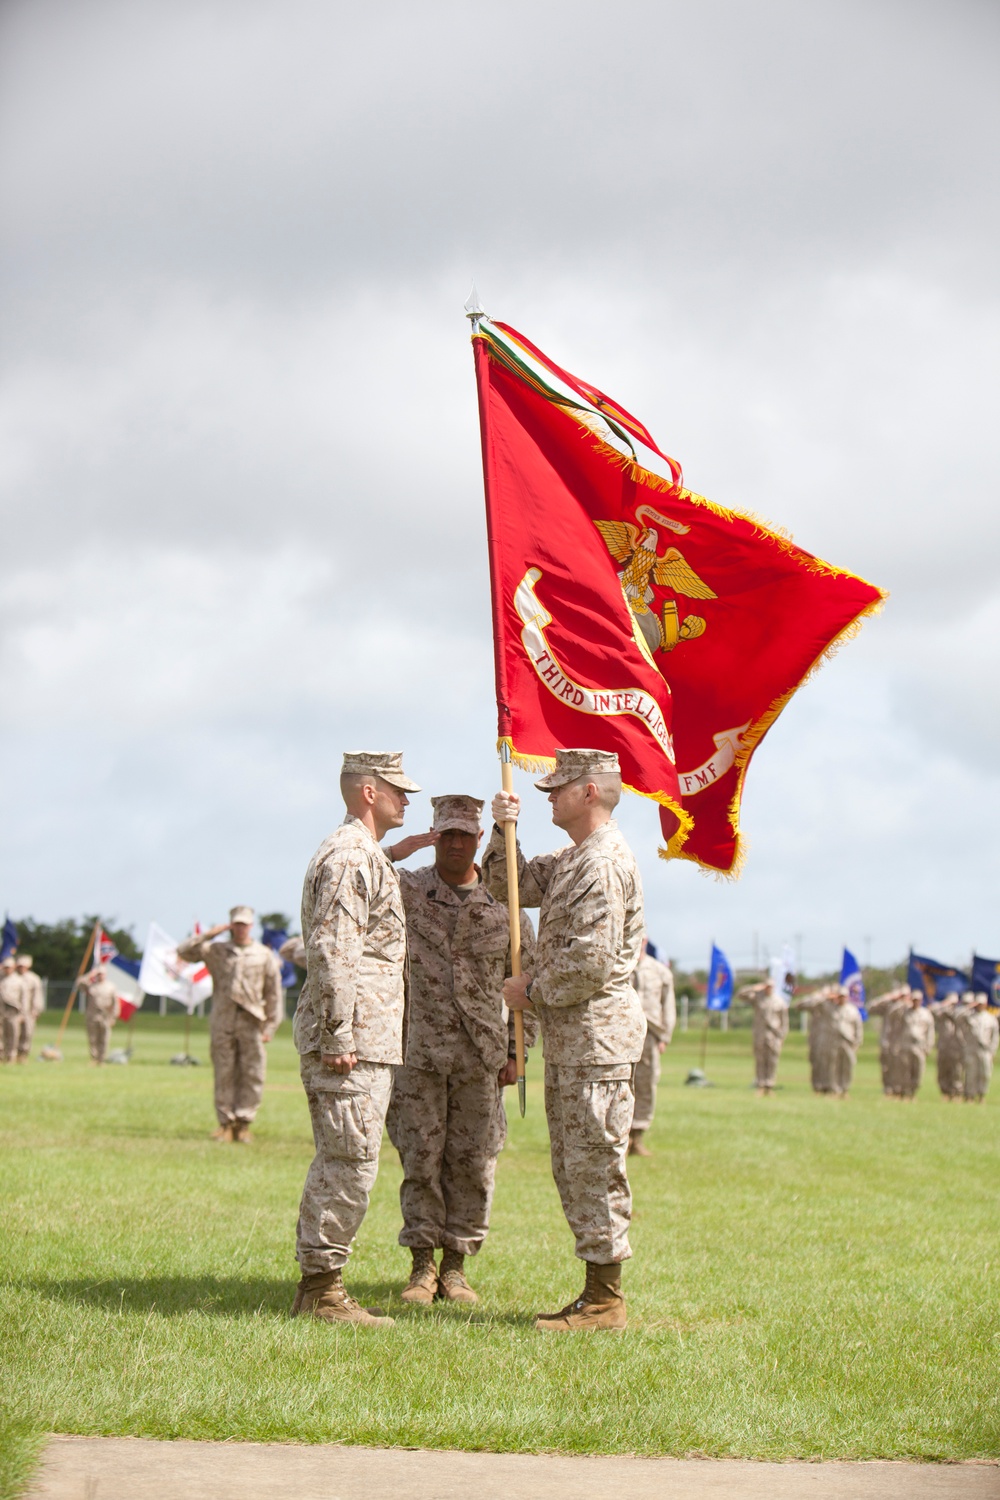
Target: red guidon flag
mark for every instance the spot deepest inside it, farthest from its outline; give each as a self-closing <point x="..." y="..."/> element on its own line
<point x="630" y="614"/>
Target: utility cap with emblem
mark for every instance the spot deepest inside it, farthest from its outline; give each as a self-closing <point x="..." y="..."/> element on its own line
<point x="385" y="763"/>
<point x="241" y="914"/>
<point x="456" y="811"/>
<point x="25" y="959"/>
<point x="572" y="764"/>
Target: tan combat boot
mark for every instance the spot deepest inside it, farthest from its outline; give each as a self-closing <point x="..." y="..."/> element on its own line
<point x="241" y="1132"/>
<point x="601" y="1304"/>
<point x="636" y="1146"/>
<point x="325" y="1297"/>
<point x="422" y="1286"/>
<point x="452" y="1285"/>
<point x="224" y="1133"/>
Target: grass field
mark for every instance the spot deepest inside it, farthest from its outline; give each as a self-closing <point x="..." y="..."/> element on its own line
<point x="811" y="1279"/>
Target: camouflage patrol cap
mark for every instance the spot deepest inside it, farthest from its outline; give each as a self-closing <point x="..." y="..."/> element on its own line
<point x="241" y="914"/>
<point x="457" y="811"/>
<point x="385" y="763"/>
<point x="8" y="962"/>
<point x="572" y="764"/>
<point x="26" y="959"/>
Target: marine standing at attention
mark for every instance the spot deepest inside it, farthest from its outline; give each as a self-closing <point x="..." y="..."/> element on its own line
<point x="32" y="1004"/>
<point x="590" y="930"/>
<point x="446" y="1116"/>
<point x="248" y="1006"/>
<point x="102" y="1012"/>
<point x="349" y="1025"/>
<point x="654" y="983"/>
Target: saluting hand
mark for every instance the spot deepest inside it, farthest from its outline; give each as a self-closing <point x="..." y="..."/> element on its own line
<point x="403" y="848"/>
<point x="506" y="806"/>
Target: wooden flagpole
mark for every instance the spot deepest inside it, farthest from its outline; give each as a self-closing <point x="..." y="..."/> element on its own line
<point x="514" y="907"/>
<point x="76" y="984"/>
<point x="474" y="312"/>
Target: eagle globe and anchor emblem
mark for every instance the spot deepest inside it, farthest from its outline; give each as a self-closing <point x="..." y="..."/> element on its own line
<point x="635" y="547"/>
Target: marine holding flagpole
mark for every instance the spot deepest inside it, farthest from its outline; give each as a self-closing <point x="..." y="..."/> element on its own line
<point x="590" y="930"/>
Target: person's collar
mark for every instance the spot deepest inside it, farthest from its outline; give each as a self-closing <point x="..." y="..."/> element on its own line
<point x="599" y="832"/>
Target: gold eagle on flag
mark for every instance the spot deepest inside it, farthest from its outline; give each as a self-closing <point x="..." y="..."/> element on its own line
<point x="636" y="549"/>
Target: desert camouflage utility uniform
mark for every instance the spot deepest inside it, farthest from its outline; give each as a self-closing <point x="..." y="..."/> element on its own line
<point x="839" y="1034"/>
<point x="770" y="1027"/>
<point x="247" y="1004"/>
<point x="980" y="1033"/>
<point x="891" y="1010"/>
<point x="446" y="1118"/>
<point x="352" y="1001"/>
<point x="907" y="1036"/>
<point x="32" y="1006"/>
<point x="102" y="1012"/>
<point x="11" y="1006"/>
<point x="655" y="986"/>
<point x="590" y="930"/>
<point x="950" y="1050"/>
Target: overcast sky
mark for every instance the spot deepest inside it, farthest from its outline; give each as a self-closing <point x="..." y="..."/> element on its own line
<point x="239" y="451"/>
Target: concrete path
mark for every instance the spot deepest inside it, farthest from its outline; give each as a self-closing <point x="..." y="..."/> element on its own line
<point x="139" y="1469"/>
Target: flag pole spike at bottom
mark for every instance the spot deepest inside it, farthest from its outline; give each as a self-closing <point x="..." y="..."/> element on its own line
<point x="514" y="907"/>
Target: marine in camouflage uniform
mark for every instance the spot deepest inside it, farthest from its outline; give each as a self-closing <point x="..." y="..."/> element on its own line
<point x="247" y="1009"/>
<point x="446" y="1116"/>
<point x="950" y="1049"/>
<point x="770" y="1027"/>
<point x="32" y="1005"/>
<point x="11" y="1003"/>
<point x="908" y="1034"/>
<point x="654" y="983"/>
<point x="349" y="1025"/>
<point x="891" y="1007"/>
<point x="101" y="1013"/>
<point x="840" y="1035"/>
<point x="590" y="930"/>
<point x="979" y="1031"/>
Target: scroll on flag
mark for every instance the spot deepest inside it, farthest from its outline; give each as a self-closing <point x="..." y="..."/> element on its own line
<point x="631" y="614"/>
<point x="852" y="980"/>
<point x="719" y="995"/>
<point x="935" y="980"/>
<point x="163" y="973"/>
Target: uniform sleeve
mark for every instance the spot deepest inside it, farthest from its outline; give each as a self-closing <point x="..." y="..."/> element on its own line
<point x="593" y="931"/>
<point x="334" y="948"/>
<point x="533" y="875"/>
<point x="193" y="950"/>
<point x="994" y="1040"/>
<point x="669" y="1006"/>
<point x="274" y="996"/>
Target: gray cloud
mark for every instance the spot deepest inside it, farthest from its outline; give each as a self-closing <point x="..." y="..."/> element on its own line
<point x="238" y="441"/>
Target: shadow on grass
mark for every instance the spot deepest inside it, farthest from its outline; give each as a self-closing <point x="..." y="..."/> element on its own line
<point x="234" y="1297"/>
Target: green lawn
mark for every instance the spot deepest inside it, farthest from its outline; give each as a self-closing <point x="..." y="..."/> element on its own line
<point x="810" y="1278"/>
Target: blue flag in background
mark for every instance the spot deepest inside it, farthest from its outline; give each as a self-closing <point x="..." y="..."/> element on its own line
<point x="986" y="977"/>
<point x="935" y="980"/>
<point x="8" y="941"/>
<point x="273" y="937"/>
<point x="720" y="982"/>
<point x="850" y="975"/>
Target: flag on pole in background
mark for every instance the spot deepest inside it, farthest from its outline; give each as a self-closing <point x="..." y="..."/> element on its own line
<point x="781" y="971"/>
<point x="631" y="614"/>
<point x="851" y="978"/>
<point x="273" y="937"/>
<point x="163" y="973"/>
<point x="8" y="939"/>
<point x="104" y="948"/>
<point x="719" y="995"/>
<point x="933" y="979"/>
<point x="986" y="977"/>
